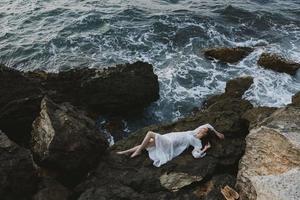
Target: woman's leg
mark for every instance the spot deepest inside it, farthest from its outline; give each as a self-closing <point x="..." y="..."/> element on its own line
<point x="148" y="140"/>
<point x="128" y="151"/>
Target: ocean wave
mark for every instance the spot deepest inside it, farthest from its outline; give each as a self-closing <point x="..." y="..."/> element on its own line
<point x="169" y="35"/>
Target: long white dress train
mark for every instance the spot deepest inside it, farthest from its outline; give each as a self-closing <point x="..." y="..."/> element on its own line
<point x="172" y="144"/>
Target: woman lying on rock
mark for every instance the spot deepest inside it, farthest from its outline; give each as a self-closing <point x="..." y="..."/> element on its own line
<point x="163" y="148"/>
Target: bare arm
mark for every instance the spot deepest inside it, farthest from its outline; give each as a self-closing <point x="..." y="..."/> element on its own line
<point x="218" y="134"/>
<point x="206" y="147"/>
<point x="198" y="152"/>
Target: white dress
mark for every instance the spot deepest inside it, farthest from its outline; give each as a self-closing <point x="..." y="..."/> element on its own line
<point x="172" y="144"/>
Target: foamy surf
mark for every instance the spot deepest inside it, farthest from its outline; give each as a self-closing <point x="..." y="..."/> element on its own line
<point x="169" y="35"/>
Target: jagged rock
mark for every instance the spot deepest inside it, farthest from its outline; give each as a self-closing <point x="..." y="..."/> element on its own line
<point x="238" y="86"/>
<point x="139" y="178"/>
<point x="228" y="55"/>
<point x="235" y="88"/>
<point x="270" y="168"/>
<point x="18" y="179"/>
<point x="50" y="189"/>
<point x="278" y="63"/>
<point x="129" y="87"/>
<point x="66" y="140"/>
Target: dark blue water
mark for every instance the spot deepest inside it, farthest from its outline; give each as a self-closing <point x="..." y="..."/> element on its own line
<point x="55" y="35"/>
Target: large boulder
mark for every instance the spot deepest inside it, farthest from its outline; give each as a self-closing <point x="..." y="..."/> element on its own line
<point x="128" y="87"/>
<point x="270" y="168"/>
<point x="19" y="104"/>
<point x="182" y="178"/>
<point x="278" y="63"/>
<point x="18" y="177"/>
<point x="65" y="139"/>
<point x="228" y="55"/>
<point x="116" y="90"/>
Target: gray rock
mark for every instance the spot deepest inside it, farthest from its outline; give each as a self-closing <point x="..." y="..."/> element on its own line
<point x="66" y="140"/>
<point x="174" y="181"/>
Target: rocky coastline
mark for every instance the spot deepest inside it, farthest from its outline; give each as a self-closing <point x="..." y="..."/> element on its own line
<point x="50" y="148"/>
<point x="129" y="87"/>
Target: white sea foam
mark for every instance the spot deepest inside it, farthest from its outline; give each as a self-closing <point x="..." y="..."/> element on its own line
<point x="68" y="34"/>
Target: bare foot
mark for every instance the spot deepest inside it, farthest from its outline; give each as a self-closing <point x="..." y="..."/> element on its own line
<point x="136" y="153"/>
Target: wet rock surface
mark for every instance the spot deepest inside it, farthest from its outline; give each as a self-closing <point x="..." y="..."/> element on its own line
<point x="238" y="86"/>
<point x="278" y="63"/>
<point x="235" y="89"/>
<point x="121" y="177"/>
<point x="228" y="55"/>
<point x="270" y="168"/>
<point x="18" y="178"/>
<point x="128" y="87"/>
<point x="64" y="139"/>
